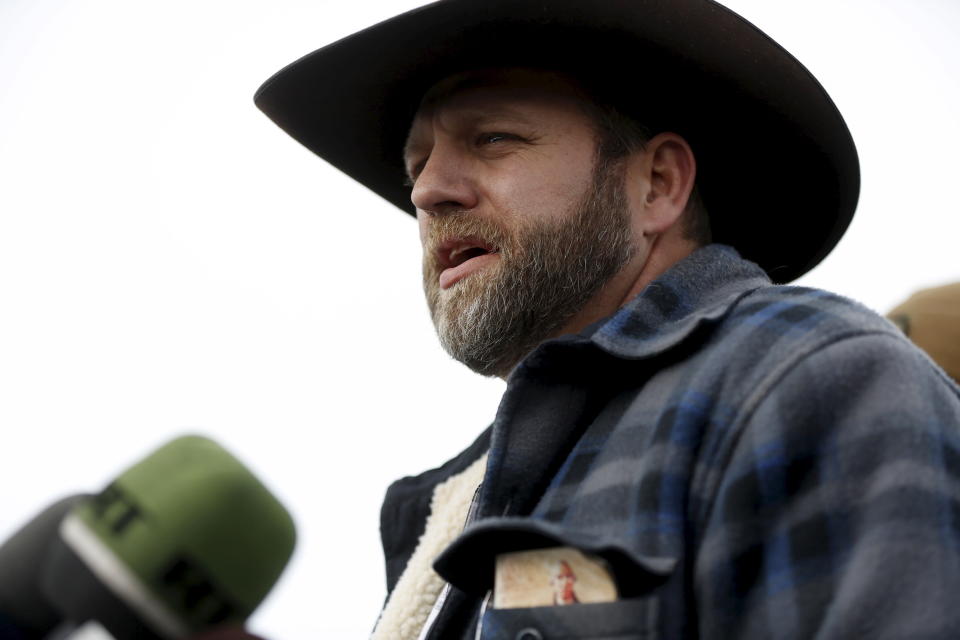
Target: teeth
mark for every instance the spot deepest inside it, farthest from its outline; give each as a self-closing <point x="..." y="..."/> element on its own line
<point x="458" y="251"/>
<point x="460" y="254"/>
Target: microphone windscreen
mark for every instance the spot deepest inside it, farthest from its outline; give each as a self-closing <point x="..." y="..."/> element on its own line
<point x="24" y="610"/>
<point x="186" y="540"/>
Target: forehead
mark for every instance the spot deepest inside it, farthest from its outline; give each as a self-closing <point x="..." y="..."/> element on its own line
<point x="514" y="93"/>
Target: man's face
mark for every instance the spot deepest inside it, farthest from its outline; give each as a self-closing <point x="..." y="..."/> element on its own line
<point x="521" y="225"/>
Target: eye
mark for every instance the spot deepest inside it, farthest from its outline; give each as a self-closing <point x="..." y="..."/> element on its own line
<point x="492" y="137"/>
<point x="412" y="172"/>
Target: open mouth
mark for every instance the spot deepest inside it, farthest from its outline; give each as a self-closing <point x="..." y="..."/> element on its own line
<point x="459" y="257"/>
<point x="456" y="251"/>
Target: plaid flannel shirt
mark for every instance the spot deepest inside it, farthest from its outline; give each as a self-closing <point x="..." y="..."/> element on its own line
<point x="752" y="461"/>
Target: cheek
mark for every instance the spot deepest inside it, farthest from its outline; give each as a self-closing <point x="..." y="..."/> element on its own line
<point x="547" y="191"/>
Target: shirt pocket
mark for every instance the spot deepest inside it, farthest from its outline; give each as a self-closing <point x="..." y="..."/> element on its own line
<point x="468" y="563"/>
<point x="625" y="619"/>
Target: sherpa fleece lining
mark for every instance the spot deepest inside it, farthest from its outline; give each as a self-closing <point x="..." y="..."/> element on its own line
<point x="419" y="585"/>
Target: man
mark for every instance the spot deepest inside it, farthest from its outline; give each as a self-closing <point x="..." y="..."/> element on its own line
<point x="605" y="192"/>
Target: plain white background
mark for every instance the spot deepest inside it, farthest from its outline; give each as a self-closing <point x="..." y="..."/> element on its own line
<point x="171" y="262"/>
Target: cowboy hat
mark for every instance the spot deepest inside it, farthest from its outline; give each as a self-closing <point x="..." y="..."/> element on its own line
<point x="931" y="318"/>
<point x="777" y="167"/>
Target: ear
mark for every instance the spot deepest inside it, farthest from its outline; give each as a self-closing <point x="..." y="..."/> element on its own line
<point x="660" y="178"/>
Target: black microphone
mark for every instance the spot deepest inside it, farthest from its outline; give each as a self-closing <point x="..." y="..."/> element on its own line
<point x="25" y="612"/>
<point x="183" y="542"/>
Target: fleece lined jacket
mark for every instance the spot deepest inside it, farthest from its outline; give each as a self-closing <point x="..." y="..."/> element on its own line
<point x="752" y="461"/>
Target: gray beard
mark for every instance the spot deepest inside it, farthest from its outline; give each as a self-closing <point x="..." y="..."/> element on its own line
<point x="548" y="270"/>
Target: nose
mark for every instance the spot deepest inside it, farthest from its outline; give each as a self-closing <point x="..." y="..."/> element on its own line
<point x="444" y="185"/>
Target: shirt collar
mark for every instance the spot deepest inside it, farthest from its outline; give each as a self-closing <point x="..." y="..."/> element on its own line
<point x="699" y="289"/>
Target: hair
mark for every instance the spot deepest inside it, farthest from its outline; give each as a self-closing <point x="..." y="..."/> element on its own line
<point x="620" y="135"/>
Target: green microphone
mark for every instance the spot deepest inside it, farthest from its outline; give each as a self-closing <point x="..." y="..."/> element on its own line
<point x="185" y="541"/>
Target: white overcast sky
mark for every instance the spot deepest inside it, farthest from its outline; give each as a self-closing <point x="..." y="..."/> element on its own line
<point x="171" y="262"/>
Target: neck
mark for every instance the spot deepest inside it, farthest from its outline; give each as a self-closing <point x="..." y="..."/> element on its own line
<point x="654" y="257"/>
<point x="650" y="262"/>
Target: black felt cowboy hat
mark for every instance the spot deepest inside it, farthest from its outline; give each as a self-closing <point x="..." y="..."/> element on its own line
<point x="777" y="168"/>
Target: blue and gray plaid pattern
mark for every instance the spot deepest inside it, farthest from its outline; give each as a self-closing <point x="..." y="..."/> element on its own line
<point x="763" y="461"/>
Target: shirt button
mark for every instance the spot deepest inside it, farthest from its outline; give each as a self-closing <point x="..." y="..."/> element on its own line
<point x="529" y="634"/>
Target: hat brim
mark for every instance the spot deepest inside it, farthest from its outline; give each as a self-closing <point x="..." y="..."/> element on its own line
<point x="777" y="168"/>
